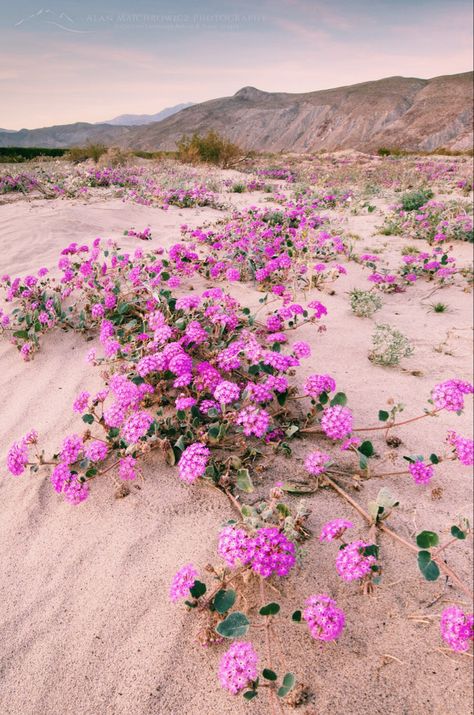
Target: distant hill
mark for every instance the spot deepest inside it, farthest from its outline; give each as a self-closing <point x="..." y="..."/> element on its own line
<point x="409" y="113"/>
<point x="131" y="120"/>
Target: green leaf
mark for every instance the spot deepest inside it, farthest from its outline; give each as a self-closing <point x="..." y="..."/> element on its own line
<point x="224" y="600"/>
<point x="269" y="674"/>
<point x="250" y="694"/>
<point x="383" y="415"/>
<point x="458" y="533"/>
<point x="367" y="448"/>
<point x="371" y="550"/>
<point x="338" y="399"/>
<point x="271" y="609"/>
<point x="427" y="539"/>
<point x="287" y="685"/>
<point x="296" y="616"/>
<point x="198" y="589"/>
<point x="244" y="483"/>
<point x="363" y="463"/>
<point x="89" y="419"/>
<point x="427" y="566"/>
<point x="234" y="626"/>
<point x="434" y="459"/>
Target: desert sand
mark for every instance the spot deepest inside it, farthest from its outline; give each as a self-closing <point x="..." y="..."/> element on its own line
<point x="86" y="624"/>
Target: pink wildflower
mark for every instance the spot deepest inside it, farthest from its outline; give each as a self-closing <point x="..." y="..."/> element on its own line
<point x="324" y="619"/>
<point x="457" y="628"/>
<point x="183" y="580"/>
<point x="421" y="472"/>
<point x="316" y="462"/>
<point x="272" y="553"/>
<point x="193" y="462"/>
<point x="352" y="563"/>
<point x="336" y="422"/>
<point x="334" y="529"/>
<point x="238" y="667"/>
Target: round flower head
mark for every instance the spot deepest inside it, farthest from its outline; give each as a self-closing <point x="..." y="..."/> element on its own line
<point x="272" y="553"/>
<point x="136" y="426"/>
<point x="316" y="384"/>
<point x="183" y="580"/>
<point x="421" y="472"/>
<point x="463" y="448"/>
<point x="316" y="462"/>
<point x="238" y="667"/>
<point x="193" y="462"/>
<point x="96" y="451"/>
<point x="127" y="468"/>
<point x="81" y="402"/>
<point x="17" y="458"/>
<point x="324" y="619"/>
<point x="336" y="422"/>
<point x="352" y="563"/>
<point x="301" y="349"/>
<point x="253" y="421"/>
<point x="226" y="392"/>
<point x="234" y="545"/>
<point x="449" y="395"/>
<point x="71" y="449"/>
<point x="457" y="628"/>
<point x="334" y="529"/>
<point x="75" y="491"/>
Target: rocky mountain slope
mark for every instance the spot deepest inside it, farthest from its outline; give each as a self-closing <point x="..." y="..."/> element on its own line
<point x="409" y="113"/>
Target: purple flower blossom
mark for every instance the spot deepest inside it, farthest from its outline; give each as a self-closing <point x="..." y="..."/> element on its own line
<point x="238" y="667"/>
<point x="183" y="580"/>
<point x="316" y="462"/>
<point x="324" y="619"/>
<point x="352" y="563"/>
<point x="193" y="462"/>
<point x="457" y="628"/>
<point x="336" y="422"/>
<point x="334" y="529"/>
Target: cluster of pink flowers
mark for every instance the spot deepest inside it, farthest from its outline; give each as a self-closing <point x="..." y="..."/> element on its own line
<point x="226" y="392"/>
<point x="268" y="551"/>
<point x="317" y="384"/>
<point x="334" y="529"/>
<point x="324" y="619"/>
<point x="238" y="667"/>
<point x="17" y="457"/>
<point x="136" y="426"/>
<point x="234" y="545"/>
<point x="253" y="421"/>
<point x="449" y="395"/>
<point x="421" y="472"/>
<point x="193" y="462"/>
<point x="463" y="448"/>
<point x="183" y="580"/>
<point x="457" y="628"/>
<point x="336" y="422"/>
<point x="316" y="462"/>
<point x="352" y="563"/>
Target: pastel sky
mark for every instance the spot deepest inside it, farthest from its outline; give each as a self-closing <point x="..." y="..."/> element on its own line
<point x="91" y="60"/>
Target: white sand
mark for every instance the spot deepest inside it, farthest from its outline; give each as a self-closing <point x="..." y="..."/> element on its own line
<point x="86" y="625"/>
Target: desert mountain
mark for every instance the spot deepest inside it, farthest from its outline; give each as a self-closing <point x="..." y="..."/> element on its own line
<point x="131" y="120"/>
<point x="410" y="113"/>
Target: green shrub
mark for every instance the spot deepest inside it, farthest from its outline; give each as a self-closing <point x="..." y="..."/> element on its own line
<point x="211" y="148"/>
<point x="413" y="200"/>
<point x="389" y="346"/>
<point x="77" y="154"/>
<point x="364" y="303"/>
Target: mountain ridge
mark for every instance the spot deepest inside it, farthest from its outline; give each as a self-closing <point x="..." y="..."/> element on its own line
<point x="405" y="112"/>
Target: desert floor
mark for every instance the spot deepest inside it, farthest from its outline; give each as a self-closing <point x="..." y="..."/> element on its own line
<point x="86" y="624"/>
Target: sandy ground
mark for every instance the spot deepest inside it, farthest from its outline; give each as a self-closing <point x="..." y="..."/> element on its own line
<point x="86" y="625"/>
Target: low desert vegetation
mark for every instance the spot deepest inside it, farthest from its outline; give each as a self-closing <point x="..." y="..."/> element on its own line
<point x="211" y="148"/>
